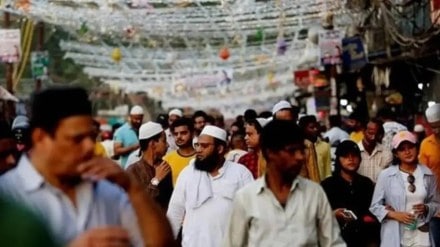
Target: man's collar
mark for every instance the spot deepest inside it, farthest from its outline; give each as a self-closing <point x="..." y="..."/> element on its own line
<point x="262" y="185"/>
<point x="31" y="178"/>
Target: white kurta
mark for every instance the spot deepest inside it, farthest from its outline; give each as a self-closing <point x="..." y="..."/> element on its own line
<point x="205" y="202"/>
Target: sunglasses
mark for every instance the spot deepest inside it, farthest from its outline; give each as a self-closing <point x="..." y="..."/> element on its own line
<point x="411" y="187"/>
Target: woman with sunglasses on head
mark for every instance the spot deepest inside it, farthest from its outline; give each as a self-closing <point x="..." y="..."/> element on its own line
<point x="405" y="199"/>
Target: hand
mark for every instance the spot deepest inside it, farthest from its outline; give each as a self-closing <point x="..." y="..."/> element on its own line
<point x="104" y="168"/>
<point x="340" y="215"/>
<point x="389" y="208"/>
<point x="162" y="170"/>
<point x="420" y="209"/>
<point x="402" y="217"/>
<point x="103" y="237"/>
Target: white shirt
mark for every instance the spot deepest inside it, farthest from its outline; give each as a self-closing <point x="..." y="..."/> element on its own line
<point x="234" y="155"/>
<point x="170" y="140"/>
<point x="109" y="146"/>
<point x="415" y="237"/>
<point x="98" y="204"/>
<point x="336" y="135"/>
<point x="258" y="219"/>
<point x="133" y="157"/>
<point x="203" y="203"/>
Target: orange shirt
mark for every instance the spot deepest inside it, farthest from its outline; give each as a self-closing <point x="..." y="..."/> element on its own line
<point x="430" y="154"/>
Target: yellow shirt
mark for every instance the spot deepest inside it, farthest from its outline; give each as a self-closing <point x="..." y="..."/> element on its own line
<point x="177" y="162"/>
<point x="310" y="170"/>
<point x="429" y="154"/>
<point x="100" y="150"/>
<point x="324" y="159"/>
<point x="357" y="136"/>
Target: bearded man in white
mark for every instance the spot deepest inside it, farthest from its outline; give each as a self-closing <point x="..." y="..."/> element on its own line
<point x="202" y="199"/>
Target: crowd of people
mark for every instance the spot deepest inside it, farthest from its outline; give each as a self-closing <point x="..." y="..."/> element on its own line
<point x="267" y="179"/>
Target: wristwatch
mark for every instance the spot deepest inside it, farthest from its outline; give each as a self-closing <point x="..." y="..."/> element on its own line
<point x="155" y="181"/>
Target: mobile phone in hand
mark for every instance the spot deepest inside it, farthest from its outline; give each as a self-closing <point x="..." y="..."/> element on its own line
<point x="350" y="214"/>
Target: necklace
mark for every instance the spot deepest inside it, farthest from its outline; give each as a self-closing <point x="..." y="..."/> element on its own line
<point x="406" y="171"/>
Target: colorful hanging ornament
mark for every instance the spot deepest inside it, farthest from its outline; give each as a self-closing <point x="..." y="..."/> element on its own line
<point x="129" y="32"/>
<point x="23" y="5"/>
<point x="224" y="53"/>
<point x="281" y="46"/>
<point x="259" y="35"/>
<point x="116" y="55"/>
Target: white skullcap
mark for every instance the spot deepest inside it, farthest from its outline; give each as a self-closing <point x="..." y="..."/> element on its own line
<point x="433" y="113"/>
<point x="215" y="132"/>
<point x="263" y="121"/>
<point x="105" y="127"/>
<point x="419" y="128"/>
<point x="137" y="110"/>
<point x="280" y="106"/>
<point x="149" y="129"/>
<point x="20" y="122"/>
<point x="176" y="112"/>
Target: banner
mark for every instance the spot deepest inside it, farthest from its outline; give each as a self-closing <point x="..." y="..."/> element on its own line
<point x="10" y="45"/>
<point x="192" y="83"/>
<point x="330" y="45"/>
<point x="39" y="64"/>
<point x="303" y="78"/>
<point x="353" y="55"/>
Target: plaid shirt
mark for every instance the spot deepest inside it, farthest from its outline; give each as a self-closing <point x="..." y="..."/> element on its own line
<point x="250" y="160"/>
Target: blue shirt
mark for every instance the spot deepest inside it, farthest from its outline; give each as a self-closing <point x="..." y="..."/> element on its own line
<point x="127" y="136"/>
<point x="99" y="204"/>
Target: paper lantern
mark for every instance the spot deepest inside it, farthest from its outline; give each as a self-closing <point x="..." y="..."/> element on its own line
<point x="281" y="46"/>
<point x="224" y="53"/>
<point x="116" y="55"/>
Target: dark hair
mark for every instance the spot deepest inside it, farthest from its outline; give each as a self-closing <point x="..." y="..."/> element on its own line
<point x="210" y="119"/>
<point x="52" y="105"/>
<point x="386" y="113"/>
<point x="239" y="126"/>
<point x="182" y="122"/>
<point x="250" y="114"/>
<point x="143" y="144"/>
<point x="278" y="134"/>
<point x="256" y="124"/>
<point x="335" y="121"/>
<point x="306" y="120"/>
<point x="344" y="148"/>
<point x="162" y="119"/>
<point x="265" y="114"/>
<point x="199" y="114"/>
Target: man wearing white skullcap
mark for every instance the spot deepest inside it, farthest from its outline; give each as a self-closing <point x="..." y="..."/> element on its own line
<point x="430" y="156"/>
<point x="151" y="171"/>
<point x="283" y="110"/>
<point x="126" y="137"/>
<point x="173" y="115"/>
<point x="202" y="197"/>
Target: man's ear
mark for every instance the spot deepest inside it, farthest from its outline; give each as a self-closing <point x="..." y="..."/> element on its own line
<point x="221" y="149"/>
<point x="38" y="135"/>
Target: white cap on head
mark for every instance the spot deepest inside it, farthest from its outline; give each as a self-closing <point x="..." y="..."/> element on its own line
<point x="419" y="128"/>
<point x="137" y="110"/>
<point x="433" y="113"/>
<point x="280" y="106"/>
<point x="215" y="132"/>
<point x="176" y="112"/>
<point x="149" y="129"/>
<point x="263" y="121"/>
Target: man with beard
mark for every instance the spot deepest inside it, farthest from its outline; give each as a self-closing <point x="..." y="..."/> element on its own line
<point x="86" y="200"/>
<point x="183" y="131"/>
<point x="126" y="137"/>
<point x="151" y="171"/>
<point x="282" y="208"/>
<point x="203" y="194"/>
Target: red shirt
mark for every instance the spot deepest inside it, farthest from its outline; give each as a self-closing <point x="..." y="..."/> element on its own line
<point x="250" y="160"/>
